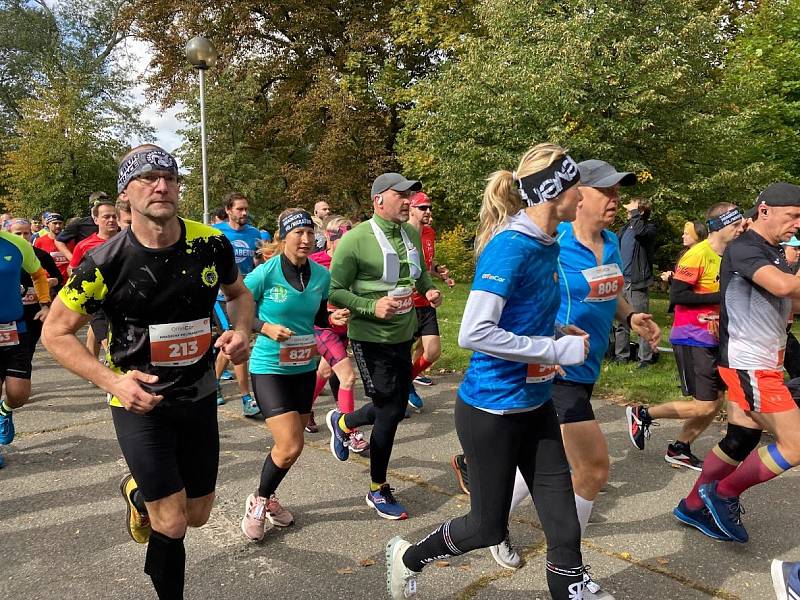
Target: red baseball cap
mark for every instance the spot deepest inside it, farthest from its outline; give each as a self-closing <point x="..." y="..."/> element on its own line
<point x="420" y="199"/>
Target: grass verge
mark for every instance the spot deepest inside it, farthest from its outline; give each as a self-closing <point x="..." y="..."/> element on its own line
<point x="628" y="383"/>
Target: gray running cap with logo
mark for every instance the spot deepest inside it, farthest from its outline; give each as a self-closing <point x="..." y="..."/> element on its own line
<point x="393" y="181"/>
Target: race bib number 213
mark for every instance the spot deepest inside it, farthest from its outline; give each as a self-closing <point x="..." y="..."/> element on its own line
<point x="179" y="344"/>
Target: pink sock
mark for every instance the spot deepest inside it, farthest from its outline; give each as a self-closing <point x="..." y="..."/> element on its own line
<point x="419" y="366"/>
<point x="318" y="387"/>
<point x="716" y="466"/>
<point x="346" y="402"/>
<point x="760" y="465"/>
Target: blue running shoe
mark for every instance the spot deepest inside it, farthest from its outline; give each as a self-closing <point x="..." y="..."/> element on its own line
<point x="727" y="512"/>
<point x="786" y="579"/>
<point x="220" y="397"/>
<point x="249" y="406"/>
<point x="422" y="380"/>
<point x="699" y="519"/>
<point x="6" y="429"/>
<point x="384" y="503"/>
<point x="415" y="400"/>
<point x="226" y="375"/>
<point x="339" y="439"/>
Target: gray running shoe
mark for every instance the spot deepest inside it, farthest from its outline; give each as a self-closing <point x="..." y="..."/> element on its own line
<point x="505" y="555"/>
<point x="400" y="580"/>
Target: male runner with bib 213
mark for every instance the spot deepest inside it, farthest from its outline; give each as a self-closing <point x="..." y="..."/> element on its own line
<point x="157" y="282"/>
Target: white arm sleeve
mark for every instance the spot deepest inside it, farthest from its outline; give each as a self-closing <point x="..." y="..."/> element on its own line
<point x="479" y="332"/>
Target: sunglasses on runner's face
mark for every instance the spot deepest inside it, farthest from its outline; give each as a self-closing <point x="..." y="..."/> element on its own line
<point x="426" y="208"/>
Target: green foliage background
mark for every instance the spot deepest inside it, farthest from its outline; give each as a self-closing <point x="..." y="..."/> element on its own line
<point x="312" y="100"/>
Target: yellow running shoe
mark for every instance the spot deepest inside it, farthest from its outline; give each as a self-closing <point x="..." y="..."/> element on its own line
<point x="137" y="524"/>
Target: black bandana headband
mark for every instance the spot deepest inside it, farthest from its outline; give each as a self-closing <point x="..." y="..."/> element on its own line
<point x="734" y="215"/>
<point x="293" y="220"/>
<point x="142" y="162"/>
<point x="548" y="183"/>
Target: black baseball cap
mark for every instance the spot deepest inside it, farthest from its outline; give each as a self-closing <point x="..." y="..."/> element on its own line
<point x="780" y="194"/>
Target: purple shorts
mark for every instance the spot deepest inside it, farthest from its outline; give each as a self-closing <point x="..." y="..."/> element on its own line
<point x="331" y="345"/>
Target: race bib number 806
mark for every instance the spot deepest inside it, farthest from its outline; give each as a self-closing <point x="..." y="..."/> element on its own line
<point x="605" y="282"/>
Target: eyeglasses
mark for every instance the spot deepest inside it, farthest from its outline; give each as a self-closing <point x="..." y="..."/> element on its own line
<point x="152" y="179"/>
<point x="426" y="208"/>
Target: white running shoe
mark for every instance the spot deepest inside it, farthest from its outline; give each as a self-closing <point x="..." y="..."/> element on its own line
<point x="401" y="581"/>
<point x="505" y="555"/>
<point x="591" y="589"/>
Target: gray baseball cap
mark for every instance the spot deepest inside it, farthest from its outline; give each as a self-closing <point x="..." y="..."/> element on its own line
<point x="600" y="174"/>
<point x="393" y="181"/>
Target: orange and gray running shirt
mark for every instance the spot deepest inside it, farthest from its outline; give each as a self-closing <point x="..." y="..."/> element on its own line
<point x="752" y="320"/>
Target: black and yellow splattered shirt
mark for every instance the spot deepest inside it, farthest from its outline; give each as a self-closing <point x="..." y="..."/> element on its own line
<point x="159" y="291"/>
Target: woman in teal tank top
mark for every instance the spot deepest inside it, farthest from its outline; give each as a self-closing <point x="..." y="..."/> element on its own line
<point x="291" y="295"/>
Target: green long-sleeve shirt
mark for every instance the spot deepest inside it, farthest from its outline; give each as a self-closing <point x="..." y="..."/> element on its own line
<point x="359" y="256"/>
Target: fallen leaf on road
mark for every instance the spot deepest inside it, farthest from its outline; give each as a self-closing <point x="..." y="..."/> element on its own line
<point x="625" y="555"/>
<point x="441" y="563"/>
<point x="662" y="561"/>
<point x="463" y="567"/>
<point x="367" y="562"/>
<point x="345" y="571"/>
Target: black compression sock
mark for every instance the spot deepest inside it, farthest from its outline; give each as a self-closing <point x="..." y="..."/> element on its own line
<point x="271" y="477"/>
<point x="433" y="547"/>
<point x="644" y="414"/>
<point x="165" y="563"/>
<point x="334" y="383"/>
<point x="565" y="583"/>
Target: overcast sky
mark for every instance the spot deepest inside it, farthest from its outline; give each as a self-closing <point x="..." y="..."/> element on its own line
<point x="165" y="122"/>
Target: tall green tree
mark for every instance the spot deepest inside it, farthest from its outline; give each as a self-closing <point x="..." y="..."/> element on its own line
<point x="632" y="83"/>
<point x="312" y="92"/>
<point x="65" y="102"/>
<point x="762" y="88"/>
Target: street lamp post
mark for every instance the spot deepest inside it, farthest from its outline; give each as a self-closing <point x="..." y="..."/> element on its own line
<point x="202" y="54"/>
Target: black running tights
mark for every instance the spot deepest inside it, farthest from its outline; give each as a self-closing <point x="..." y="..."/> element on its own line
<point x="495" y="445"/>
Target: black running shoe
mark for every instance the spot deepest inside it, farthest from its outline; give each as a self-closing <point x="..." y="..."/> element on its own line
<point x="638" y="425"/>
<point x="459" y="466"/>
<point x="680" y="455"/>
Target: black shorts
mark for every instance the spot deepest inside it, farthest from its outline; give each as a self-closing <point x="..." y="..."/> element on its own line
<point x="17" y="360"/>
<point x="280" y="394"/>
<point x="572" y="401"/>
<point x="427" y="323"/>
<point x="698" y="373"/>
<point x="171" y="448"/>
<point x="385" y="370"/>
<point x="99" y="325"/>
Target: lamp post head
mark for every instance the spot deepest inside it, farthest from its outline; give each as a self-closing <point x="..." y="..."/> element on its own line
<point x="201" y="53"/>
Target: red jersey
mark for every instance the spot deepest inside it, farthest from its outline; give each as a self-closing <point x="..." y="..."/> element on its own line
<point x="82" y="247"/>
<point x="428" y="237"/>
<point x="48" y="244"/>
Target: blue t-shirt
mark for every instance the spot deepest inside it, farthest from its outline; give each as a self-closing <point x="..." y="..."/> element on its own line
<point x="244" y="244"/>
<point x="16" y="255"/>
<point x="588" y="296"/>
<point x="278" y="303"/>
<point x="522" y="270"/>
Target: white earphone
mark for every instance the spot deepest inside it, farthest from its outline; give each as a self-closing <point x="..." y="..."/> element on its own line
<point x="380" y="199"/>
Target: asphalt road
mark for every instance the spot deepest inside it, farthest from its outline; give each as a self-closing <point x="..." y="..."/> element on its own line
<point x="62" y="520"/>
